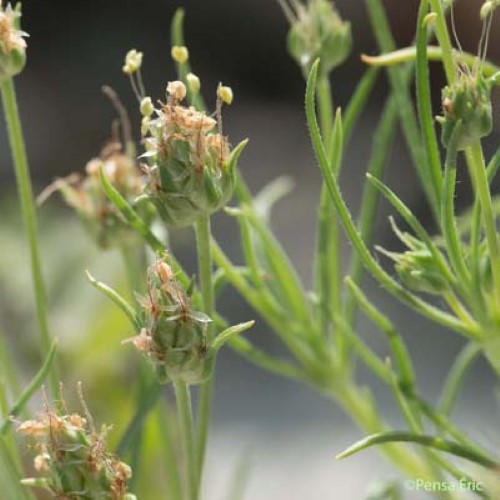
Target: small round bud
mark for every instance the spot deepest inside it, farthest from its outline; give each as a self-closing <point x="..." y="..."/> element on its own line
<point x="133" y="61"/>
<point x="226" y="94"/>
<point x="147" y="107"/>
<point x="488" y="8"/>
<point x="193" y="83"/>
<point x="319" y="31"/>
<point x="177" y="90"/>
<point x="468" y="100"/>
<point x="179" y="54"/>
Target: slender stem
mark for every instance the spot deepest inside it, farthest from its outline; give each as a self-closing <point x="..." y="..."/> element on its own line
<point x="477" y="169"/>
<point x="25" y="190"/>
<point x="456" y="376"/>
<point x="203" y="247"/>
<point x="167" y="425"/>
<point x="474" y="154"/>
<point x="328" y="272"/>
<point x="185" y="415"/>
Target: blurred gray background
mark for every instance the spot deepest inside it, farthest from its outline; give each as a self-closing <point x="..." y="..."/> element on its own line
<point x="290" y="432"/>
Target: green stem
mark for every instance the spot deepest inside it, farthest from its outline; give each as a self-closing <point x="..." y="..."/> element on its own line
<point x="456" y="375"/>
<point x="185" y="415"/>
<point x="477" y="169"/>
<point x="203" y="246"/>
<point x="328" y="274"/>
<point x="25" y="190"/>
<point x="474" y="154"/>
<point x="167" y="428"/>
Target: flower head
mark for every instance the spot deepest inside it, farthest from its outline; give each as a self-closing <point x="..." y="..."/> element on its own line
<point x="190" y="165"/>
<point x="72" y="456"/>
<point x="12" y="42"/>
<point x="467" y="101"/>
<point x="84" y="193"/>
<point x="317" y="31"/>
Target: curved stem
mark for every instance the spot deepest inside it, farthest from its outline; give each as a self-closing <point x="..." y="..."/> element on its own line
<point x="25" y="190"/>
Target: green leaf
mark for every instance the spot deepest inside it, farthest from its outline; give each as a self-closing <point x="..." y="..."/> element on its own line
<point x="116" y="298"/>
<point x="32" y="387"/>
<point x="424" y="440"/>
<point x="226" y="335"/>
<point x="424" y="107"/>
<point x="370" y="263"/>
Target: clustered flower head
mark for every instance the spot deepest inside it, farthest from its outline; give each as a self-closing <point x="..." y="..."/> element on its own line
<point x="173" y="335"/>
<point x="467" y="101"/>
<point x="190" y="167"/>
<point x="72" y="458"/>
<point x="317" y="31"/>
<point x="84" y="193"/>
<point x="12" y="42"/>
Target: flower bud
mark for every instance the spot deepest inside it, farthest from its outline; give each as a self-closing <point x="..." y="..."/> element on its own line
<point x="417" y="267"/>
<point x="193" y="83"/>
<point x="133" y="61"/>
<point x="179" y="54"/>
<point x="12" y="43"/>
<point x="488" y="8"/>
<point x="146" y="107"/>
<point x="191" y="168"/>
<point x="318" y="31"/>
<point x="468" y="100"/>
<point x="225" y="94"/>
<point x="72" y="457"/>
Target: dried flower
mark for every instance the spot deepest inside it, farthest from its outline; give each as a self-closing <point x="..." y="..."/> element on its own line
<point x="173" y="335"/>
<point x="84" y="193"/>
<point x="12" y="42"/>
<point x="190" y="167"/>
<point x="73" y="459"/>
